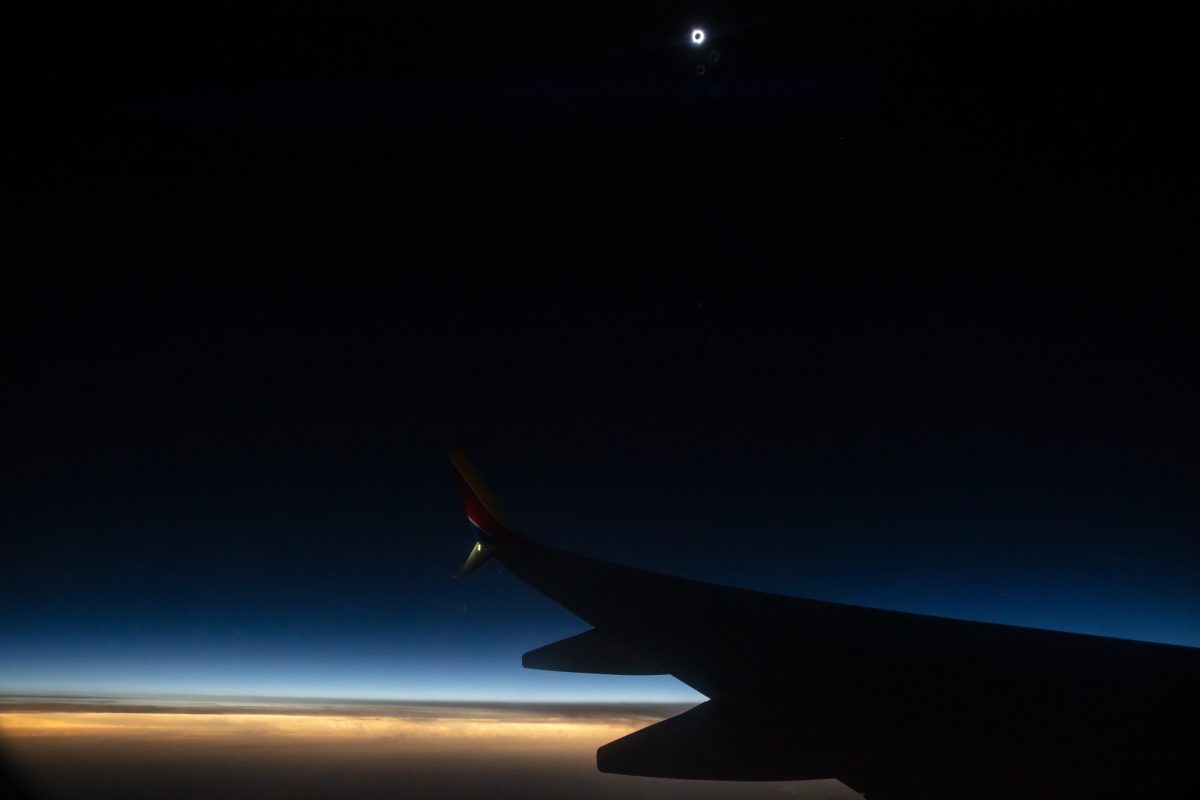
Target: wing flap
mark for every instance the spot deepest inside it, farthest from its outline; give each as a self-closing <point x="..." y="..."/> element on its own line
<point x="709" y="742"/>
<point x="593" y="651"/>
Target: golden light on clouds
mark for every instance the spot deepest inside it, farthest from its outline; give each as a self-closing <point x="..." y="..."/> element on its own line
<point x="322" y="726"/>
<point x="140" y="750"/>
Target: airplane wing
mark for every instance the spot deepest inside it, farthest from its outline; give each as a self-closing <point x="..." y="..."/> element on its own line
<point x="893" y="704"/>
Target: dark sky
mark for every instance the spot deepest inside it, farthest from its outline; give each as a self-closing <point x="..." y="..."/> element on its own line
<point x="888" y="307"/>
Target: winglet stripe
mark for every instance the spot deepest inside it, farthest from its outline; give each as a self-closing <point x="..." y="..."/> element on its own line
<point x="482" y="509"/>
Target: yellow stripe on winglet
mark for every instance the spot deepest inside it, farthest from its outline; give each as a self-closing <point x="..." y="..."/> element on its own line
<point x="467" y="470"/>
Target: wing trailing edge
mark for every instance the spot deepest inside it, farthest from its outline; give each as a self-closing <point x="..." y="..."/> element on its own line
<point x="710" y="743"/>
<point x="593" y="651"/>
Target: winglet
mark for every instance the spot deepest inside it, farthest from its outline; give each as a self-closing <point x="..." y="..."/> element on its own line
<point x="492" y="528"/>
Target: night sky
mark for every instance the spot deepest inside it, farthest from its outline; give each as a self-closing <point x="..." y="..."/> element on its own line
<point x="888" y="307"/>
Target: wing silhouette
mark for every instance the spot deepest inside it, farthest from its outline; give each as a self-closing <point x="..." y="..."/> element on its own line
<point x="895" y="705"/>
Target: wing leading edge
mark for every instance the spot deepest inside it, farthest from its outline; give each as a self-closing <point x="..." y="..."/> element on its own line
<point x="900" y="705"/>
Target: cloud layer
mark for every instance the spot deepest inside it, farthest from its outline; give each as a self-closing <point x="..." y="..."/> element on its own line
<point x="133" y="748"/>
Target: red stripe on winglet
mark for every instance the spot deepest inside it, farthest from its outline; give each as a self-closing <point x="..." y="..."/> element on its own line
<point x="479" y="515"/>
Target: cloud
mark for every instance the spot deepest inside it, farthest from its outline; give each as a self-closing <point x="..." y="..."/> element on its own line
<point x="637" y="712"/>
<point x="117" y="747"/>
<point x="32" y="716"/>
